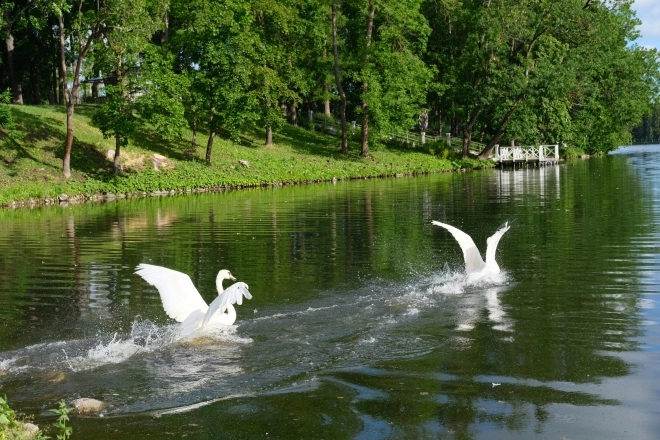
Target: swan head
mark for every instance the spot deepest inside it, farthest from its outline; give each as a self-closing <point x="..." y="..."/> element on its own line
<point x="224" y="274"/>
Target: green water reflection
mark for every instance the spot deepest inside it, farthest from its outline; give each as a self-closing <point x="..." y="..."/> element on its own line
<point x="577" y="260"/>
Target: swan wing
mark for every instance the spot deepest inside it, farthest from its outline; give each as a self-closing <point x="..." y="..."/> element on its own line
<point x="177" y="292"/>
<point x="493" y="241"/>
<point x="473" y="260"/>
<point x="192" y="323"/>
<point x="232" y="295"/>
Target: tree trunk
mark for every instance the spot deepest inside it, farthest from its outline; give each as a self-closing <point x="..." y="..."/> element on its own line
<point x="326" y="104"/>
<point x="209" y="147"/>
<point x="71" y="96"/>
<point x="209" y="143"/>
<point x="294" y="114"/>
<point x="365" y="110"/>
<point x="115" y="165"/>
<point x="326" y="86"/>
<point x="16" y="92"/>
<point x="364" y="137"/>
<point x="500" y="130"/>
<point x="165" y="32"/>
<point x="440" y="123"/>
<point x="34" y="79"/>
<point x="269" y="136"/>
<point x="96" y="85"/>
<point x="467" y="132"/>
<point x="61" y="80"/>
<point x="8" y="21"/>
<point x="193" y="142"/>
<point x="66" y="163"/>
<point x="340" y="89"/>
<point x="52" y="94"/>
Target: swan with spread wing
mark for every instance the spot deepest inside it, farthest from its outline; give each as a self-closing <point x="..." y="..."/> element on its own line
<point x="182" y="301"/>
<point x="475" y="267"/>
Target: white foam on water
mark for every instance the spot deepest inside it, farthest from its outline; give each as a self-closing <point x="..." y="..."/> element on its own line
<point x="296" y="313"/>
<point x="412" y="311"/>
<point x="5" y="364"/>
<point x="194" y="406"/>
<point x="113" y="352"/>
<point x="214" y="332"/>
<point x="87" y="354"/>
<point x="145" y="337"/>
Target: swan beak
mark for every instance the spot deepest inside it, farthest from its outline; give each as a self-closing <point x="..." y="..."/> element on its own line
<point x="232" y="277"/>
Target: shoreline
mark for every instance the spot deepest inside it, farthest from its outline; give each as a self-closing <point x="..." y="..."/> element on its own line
<point x="31" y="167"/>
<point x="78" y="199"/>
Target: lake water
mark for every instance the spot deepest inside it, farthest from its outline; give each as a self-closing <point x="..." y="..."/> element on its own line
<point x="360" y="326"/>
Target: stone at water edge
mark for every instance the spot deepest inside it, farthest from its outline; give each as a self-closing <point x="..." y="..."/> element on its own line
<point x="28" y="430"/>
<point x="85" y="405"/>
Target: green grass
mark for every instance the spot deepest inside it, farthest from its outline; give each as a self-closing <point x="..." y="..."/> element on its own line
<point x="31" y="168"/>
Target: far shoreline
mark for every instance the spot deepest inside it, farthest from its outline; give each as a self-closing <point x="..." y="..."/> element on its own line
<point x="79" y="199"/>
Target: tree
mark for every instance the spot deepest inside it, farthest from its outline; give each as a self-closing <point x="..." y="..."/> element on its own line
<point x="85" y="26"/>
<point x="340" y="88"/>
<point x="391" y="76"/>
<point x="225" y="49"/>
<point x="11" y="14"/>
<point x="273" y="29"/>
<point x="127" y="32"/>
<point x="365" y="74"/>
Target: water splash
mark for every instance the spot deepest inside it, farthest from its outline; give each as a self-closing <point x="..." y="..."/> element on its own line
<point x="88" y="354"/>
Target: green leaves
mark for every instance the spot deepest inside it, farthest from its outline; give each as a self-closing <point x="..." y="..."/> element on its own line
<point x="162" y="99"/>
<point x="64" y="431"/>
<point x="7" y="416"/>
<point x="116" y="118"/>
<point x="541" y="71"/>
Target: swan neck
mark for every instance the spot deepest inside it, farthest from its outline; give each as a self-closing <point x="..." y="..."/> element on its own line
<point x="231" y="314"/>
<point x="218" y="284"/>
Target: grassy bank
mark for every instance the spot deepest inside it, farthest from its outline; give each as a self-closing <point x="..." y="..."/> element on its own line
<point x="31" y="167"/>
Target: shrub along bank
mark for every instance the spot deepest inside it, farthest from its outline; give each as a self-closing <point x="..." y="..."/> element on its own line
<point x="31" y="164"/>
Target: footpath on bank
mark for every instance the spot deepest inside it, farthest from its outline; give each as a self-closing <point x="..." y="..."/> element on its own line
<point x="31" y="165"/>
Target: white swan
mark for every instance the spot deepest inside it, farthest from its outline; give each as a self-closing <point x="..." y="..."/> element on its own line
<point x="182" y="301"/>
<point x="475" y="267"/>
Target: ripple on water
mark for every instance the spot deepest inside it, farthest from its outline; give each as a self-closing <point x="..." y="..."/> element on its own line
<point x="285" y="349"/>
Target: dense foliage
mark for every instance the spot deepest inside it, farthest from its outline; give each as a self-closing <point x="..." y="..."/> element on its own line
<point x="648" y="131"/>
<point x="496" y="71"/>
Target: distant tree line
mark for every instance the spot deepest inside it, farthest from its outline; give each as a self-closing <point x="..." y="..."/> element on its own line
<point x="496" y="71"/>
<point x="648" y="131"/>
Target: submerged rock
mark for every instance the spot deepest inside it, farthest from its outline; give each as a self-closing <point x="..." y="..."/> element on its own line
<point x="85" y="405"/>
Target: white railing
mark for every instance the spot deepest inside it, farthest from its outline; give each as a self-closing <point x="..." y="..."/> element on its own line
<point x="542" y="153"/>
<point x="415" y="138"/>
